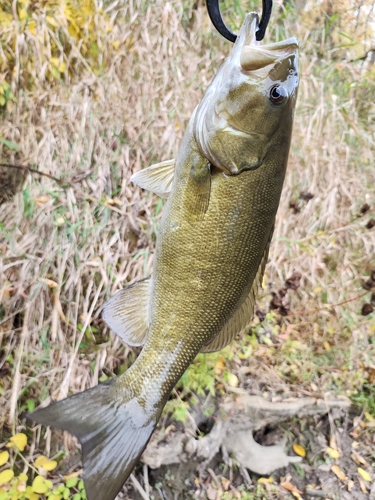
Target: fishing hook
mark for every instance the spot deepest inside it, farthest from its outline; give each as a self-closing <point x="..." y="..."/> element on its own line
<point x="213" y="7"/>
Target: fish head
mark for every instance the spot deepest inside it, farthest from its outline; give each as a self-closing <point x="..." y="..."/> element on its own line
<point x="247" y="111"/>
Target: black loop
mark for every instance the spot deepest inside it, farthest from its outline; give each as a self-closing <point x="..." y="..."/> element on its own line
<point x="213" y="8"/>
<point x="266" y="15"/>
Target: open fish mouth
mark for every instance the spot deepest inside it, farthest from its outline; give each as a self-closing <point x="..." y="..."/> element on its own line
<point x="254" y="56"/>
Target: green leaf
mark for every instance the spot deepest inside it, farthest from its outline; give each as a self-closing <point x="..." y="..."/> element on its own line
<point x="72" y="482"/>
<point x="30" y="403"/>
<point x="10" y="144"/>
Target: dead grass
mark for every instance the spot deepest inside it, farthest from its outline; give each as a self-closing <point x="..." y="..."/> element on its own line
<point x="65" y="250"/>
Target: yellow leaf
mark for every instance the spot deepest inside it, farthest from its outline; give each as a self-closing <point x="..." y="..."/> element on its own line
<point x="18" y="441"/>
<point x="55" y="61"/>
<point x="34" y="496"/>
<point x="265" y="480"/>
<point x="233" y="380"/>
<point x="40" y="461"/>
<point x="338" y="472"/>
<point x="22" y="14"/>
<point x="332" y="453"/>
<point x="220" y="365"/>
<point x="52" y="21"/>
<point x="369" y="417"/>
<point x="22" y="477"/>
<point x="6" y="476"/>
<point x="62" y="67"/>
<point x="74" y="474"/>
<point x="41" y="485"/>
<point x="32" y="26"/>
<point x="327" y="345"/>
<point x="4" y="457"/>
<point x="49" y="465"/>
<point x="364" y="474"/>
<point x="299" y="450"/>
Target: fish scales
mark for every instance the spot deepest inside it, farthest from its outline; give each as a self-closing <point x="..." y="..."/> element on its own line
<point x="223" y="193"/>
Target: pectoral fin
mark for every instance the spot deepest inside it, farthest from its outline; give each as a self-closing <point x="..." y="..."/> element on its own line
<point x="126" y="313"/>
<point x="158" y="178"/>
<point x="242" y="316"/>
<point x="198" y="191"/>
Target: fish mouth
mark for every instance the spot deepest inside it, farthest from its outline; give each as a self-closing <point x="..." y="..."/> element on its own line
<point x="256" y="58"/>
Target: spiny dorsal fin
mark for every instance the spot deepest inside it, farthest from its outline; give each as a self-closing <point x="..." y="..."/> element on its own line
<point x="158" y="178"/>
<point x="126" y="313"/>
<point x="244" y="313"/>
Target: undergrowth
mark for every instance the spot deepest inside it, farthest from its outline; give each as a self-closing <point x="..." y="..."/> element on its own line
<point x="91" y="92"/>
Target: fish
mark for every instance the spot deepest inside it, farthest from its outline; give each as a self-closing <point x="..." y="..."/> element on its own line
<point x="222" y="194"/>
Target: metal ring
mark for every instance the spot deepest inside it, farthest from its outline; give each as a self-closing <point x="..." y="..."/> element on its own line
<point x="213" y="8"/>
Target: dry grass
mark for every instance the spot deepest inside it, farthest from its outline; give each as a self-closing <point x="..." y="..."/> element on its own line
<point x="65" y="250"/>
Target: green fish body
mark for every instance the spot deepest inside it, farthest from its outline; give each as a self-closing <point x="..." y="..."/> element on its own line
<point x="223" y="193"/>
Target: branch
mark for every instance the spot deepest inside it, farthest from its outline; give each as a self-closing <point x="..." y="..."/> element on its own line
<point x="34" y="171"/>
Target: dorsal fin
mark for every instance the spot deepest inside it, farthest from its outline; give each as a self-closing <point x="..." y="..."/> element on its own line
<point x="243" y="315"/>
<point x="157" y="178"/>
<point x="126" y="313"/>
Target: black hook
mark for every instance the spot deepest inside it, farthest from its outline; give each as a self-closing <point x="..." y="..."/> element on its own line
<point x="213" y="8"/>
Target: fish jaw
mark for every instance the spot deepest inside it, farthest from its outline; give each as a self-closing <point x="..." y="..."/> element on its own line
<point x="236" y="123"/>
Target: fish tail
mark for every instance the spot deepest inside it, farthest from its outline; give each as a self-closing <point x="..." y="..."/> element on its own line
<point x="113" y="429"/>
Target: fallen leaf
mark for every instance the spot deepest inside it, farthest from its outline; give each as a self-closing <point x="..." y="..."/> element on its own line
<point x="297" y="495"/>
<point x="362" y="485"/>
<point x="265" y="479"/>
<point x="225" y="482"/>
<point x="287" y="485"/>
<point x="358" y="459"/>
<point x="350" y="485"/>
<point x="233" y="380"/>
<point x="299" y="450"/>
<point x="220" y="365"/>
<point x="364" y="474"/>
<point x="338" y="472"/>
<point x="332" y="453"/>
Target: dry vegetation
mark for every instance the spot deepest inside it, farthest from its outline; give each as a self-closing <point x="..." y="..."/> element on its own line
<point x="92" y="104"/>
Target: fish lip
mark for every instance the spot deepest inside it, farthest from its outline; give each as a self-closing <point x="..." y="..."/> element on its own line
<point x="252" y="56"/>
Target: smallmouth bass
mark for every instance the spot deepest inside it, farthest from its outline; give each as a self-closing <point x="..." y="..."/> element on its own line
<point x="223" y="193"/>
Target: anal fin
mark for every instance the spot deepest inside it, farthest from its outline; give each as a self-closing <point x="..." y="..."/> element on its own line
<point x="126" y="313"/>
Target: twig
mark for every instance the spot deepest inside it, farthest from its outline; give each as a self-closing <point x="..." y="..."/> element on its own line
<point x="316" y="493"/>
<point x="34" y="171"/>
<point x="138" y="487"/>
<point x="145" y="477"/>
<point x="327" y="306"/>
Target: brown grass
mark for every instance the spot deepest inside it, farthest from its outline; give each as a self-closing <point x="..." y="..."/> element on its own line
<point x="65" y="251"/>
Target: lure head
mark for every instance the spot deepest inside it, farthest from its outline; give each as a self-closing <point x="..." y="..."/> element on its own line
<point x="247" y="110"/>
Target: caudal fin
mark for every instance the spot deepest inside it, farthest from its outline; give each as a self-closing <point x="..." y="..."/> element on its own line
<point x="113" y="430"/>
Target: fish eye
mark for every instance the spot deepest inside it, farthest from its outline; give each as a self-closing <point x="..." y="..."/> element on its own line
<point x="278" y="94"/>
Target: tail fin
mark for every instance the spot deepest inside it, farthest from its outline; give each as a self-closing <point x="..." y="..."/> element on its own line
<point x="113" y="433"/>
